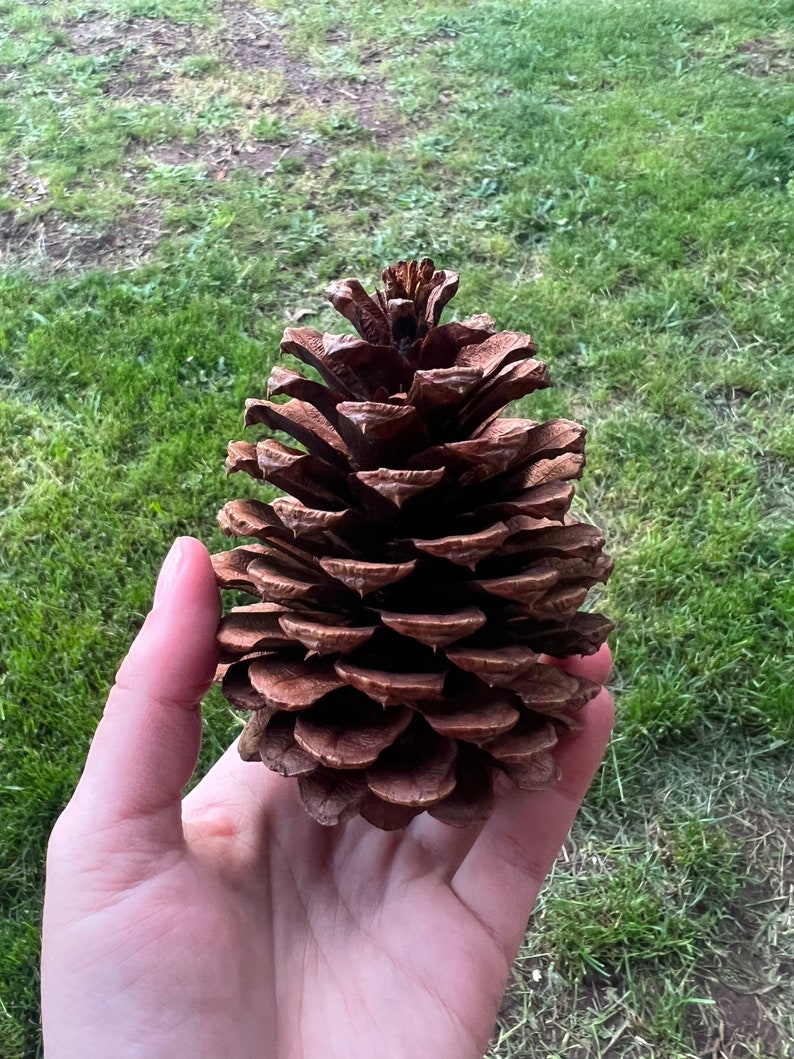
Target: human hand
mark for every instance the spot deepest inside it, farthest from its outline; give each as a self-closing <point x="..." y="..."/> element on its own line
<point x="231" y="924"/>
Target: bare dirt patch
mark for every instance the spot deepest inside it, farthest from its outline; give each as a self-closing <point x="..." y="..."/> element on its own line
<point x="33" y="233"/>
<point x="51" y="241"/>
<point x="730" y="406"/>
<point x="741" y="980"/>
<point x="247" y="41"/>
<point x="771" y="56"/>
<point x="776" y="478"/>
<point x="219" y="81"/>
<point x="146" y="59"/>
<point x="739" y="1026"/>
<point x="145" y="53"/>
<point x="245" y="62"/>
<point x="751" y="979"/>
<point x="219" y="156"/>
<point x="728" y="402"/>
<point x="248" y="36"/>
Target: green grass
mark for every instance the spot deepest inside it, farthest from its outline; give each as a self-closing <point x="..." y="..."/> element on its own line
<point x="614" y="178"/>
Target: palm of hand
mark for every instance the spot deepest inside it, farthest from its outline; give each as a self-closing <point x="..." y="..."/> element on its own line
<point x="256" y="936"/>
<point x="234" y="925"/>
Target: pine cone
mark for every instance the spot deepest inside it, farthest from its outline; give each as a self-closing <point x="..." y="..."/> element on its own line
<point x="424" y="559"/>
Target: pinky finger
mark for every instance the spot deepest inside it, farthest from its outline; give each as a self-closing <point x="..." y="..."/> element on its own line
<point x="500" y="878"/>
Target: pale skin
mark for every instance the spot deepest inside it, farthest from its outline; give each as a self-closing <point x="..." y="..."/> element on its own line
<point x="230" y="924"/>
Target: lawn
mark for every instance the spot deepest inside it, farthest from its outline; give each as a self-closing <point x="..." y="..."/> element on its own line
<point x="179" y="179"/>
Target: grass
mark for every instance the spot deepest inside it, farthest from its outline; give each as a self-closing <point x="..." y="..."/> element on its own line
<point x="179" y="176"/>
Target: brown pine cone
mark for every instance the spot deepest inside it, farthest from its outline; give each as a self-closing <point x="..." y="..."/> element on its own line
<point x="424" y="558"/>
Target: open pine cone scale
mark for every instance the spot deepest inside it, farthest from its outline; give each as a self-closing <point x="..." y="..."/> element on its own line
<point x="423" y="560"/>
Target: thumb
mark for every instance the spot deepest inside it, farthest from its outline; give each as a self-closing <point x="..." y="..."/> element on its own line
<point x="146" y="746"/>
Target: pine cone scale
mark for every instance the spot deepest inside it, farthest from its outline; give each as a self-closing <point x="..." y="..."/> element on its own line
<point x="436" y="630"/>
<point x="417" y="773"/>
<point x="292" y="685"/>
<point x="390" y="688"/>
<point x="342" y="738"/>
<point x="474" y="718"/>
<point x="279" y="749"/>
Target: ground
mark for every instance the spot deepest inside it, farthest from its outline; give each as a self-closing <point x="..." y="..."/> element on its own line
<point x="179" y="179"/>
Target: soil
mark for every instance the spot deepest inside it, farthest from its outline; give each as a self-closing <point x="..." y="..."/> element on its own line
<point x="751" y="984"/>
<point x="219" y="155"/>
<point x="738" y="1026"/>
<point x="51" y="241"/>
<point x="768" y="56"/>
<point x="147" y="53"/>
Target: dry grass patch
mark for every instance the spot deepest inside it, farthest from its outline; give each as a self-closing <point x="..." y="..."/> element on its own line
<point x="771" y="56"/>
<point x="699" y="950"/>
<point x="750" y="981"/>
<point x="54" y="243"/>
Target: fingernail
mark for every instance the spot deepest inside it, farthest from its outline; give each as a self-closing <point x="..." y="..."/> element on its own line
<point x="169" y="573"/>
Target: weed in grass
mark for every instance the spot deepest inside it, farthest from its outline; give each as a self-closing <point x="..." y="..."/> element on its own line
<point x="200" y="66"/>
<point x="706" y="857"/>
<point x="269" y="128"/>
